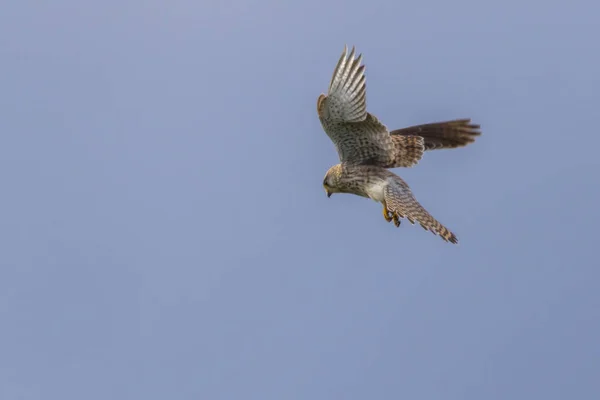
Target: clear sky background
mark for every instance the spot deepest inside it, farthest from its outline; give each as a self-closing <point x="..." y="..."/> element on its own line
<point x="165" y="235"/>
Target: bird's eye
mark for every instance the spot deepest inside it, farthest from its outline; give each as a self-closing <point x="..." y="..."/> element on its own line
<point x="325" y="182"/>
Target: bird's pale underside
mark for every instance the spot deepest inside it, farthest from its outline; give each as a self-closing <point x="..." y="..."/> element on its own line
<point x="367" y="149"/>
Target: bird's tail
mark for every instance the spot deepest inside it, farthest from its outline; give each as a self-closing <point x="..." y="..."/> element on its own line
<point x="400" y="201"/>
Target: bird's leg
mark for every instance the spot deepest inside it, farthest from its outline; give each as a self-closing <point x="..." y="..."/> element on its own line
<point x="396" y="219"/>
<point x="386" y="214"/>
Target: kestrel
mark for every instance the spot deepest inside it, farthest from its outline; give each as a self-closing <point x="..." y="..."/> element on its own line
<point x="367" y="149"/>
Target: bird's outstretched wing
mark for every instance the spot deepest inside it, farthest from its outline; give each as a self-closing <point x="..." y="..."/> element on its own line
<point x="346" y="99"/>
<point x="441" y="135"/>
<point x="401" y="203"/>
<point x="408" y="150"/>
<point x="358" y="136"/>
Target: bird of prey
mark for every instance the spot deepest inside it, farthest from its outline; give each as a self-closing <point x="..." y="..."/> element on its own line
<point x="367" y="149"/>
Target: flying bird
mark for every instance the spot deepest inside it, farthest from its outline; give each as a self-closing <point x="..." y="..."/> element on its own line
<point x="367" y="149"/>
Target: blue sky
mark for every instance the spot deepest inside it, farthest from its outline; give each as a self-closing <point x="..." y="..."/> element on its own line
<point x="165" y="233"/>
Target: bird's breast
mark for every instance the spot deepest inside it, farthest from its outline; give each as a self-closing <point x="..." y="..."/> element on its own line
<point x="375" y="189"/>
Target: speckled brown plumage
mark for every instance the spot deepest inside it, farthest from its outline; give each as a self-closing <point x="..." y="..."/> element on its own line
<point x="441" y="135"/>
<point x="387" y="188"/>
<point x="408" y="150"/>
<point x="366" y="148"/>
<point x="400" y="201"/>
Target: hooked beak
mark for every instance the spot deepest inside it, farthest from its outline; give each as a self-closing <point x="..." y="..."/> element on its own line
<point x="328" y="193"/>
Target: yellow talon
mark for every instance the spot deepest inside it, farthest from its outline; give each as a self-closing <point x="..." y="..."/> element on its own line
<point x="386" y="214"/>
<point x="396" y="219"/>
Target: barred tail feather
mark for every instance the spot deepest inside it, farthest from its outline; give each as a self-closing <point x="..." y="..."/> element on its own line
<point x="399" y="200"/>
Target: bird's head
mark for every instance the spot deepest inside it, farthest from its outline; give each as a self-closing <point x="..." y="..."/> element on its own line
<point x="331" y="180"/>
